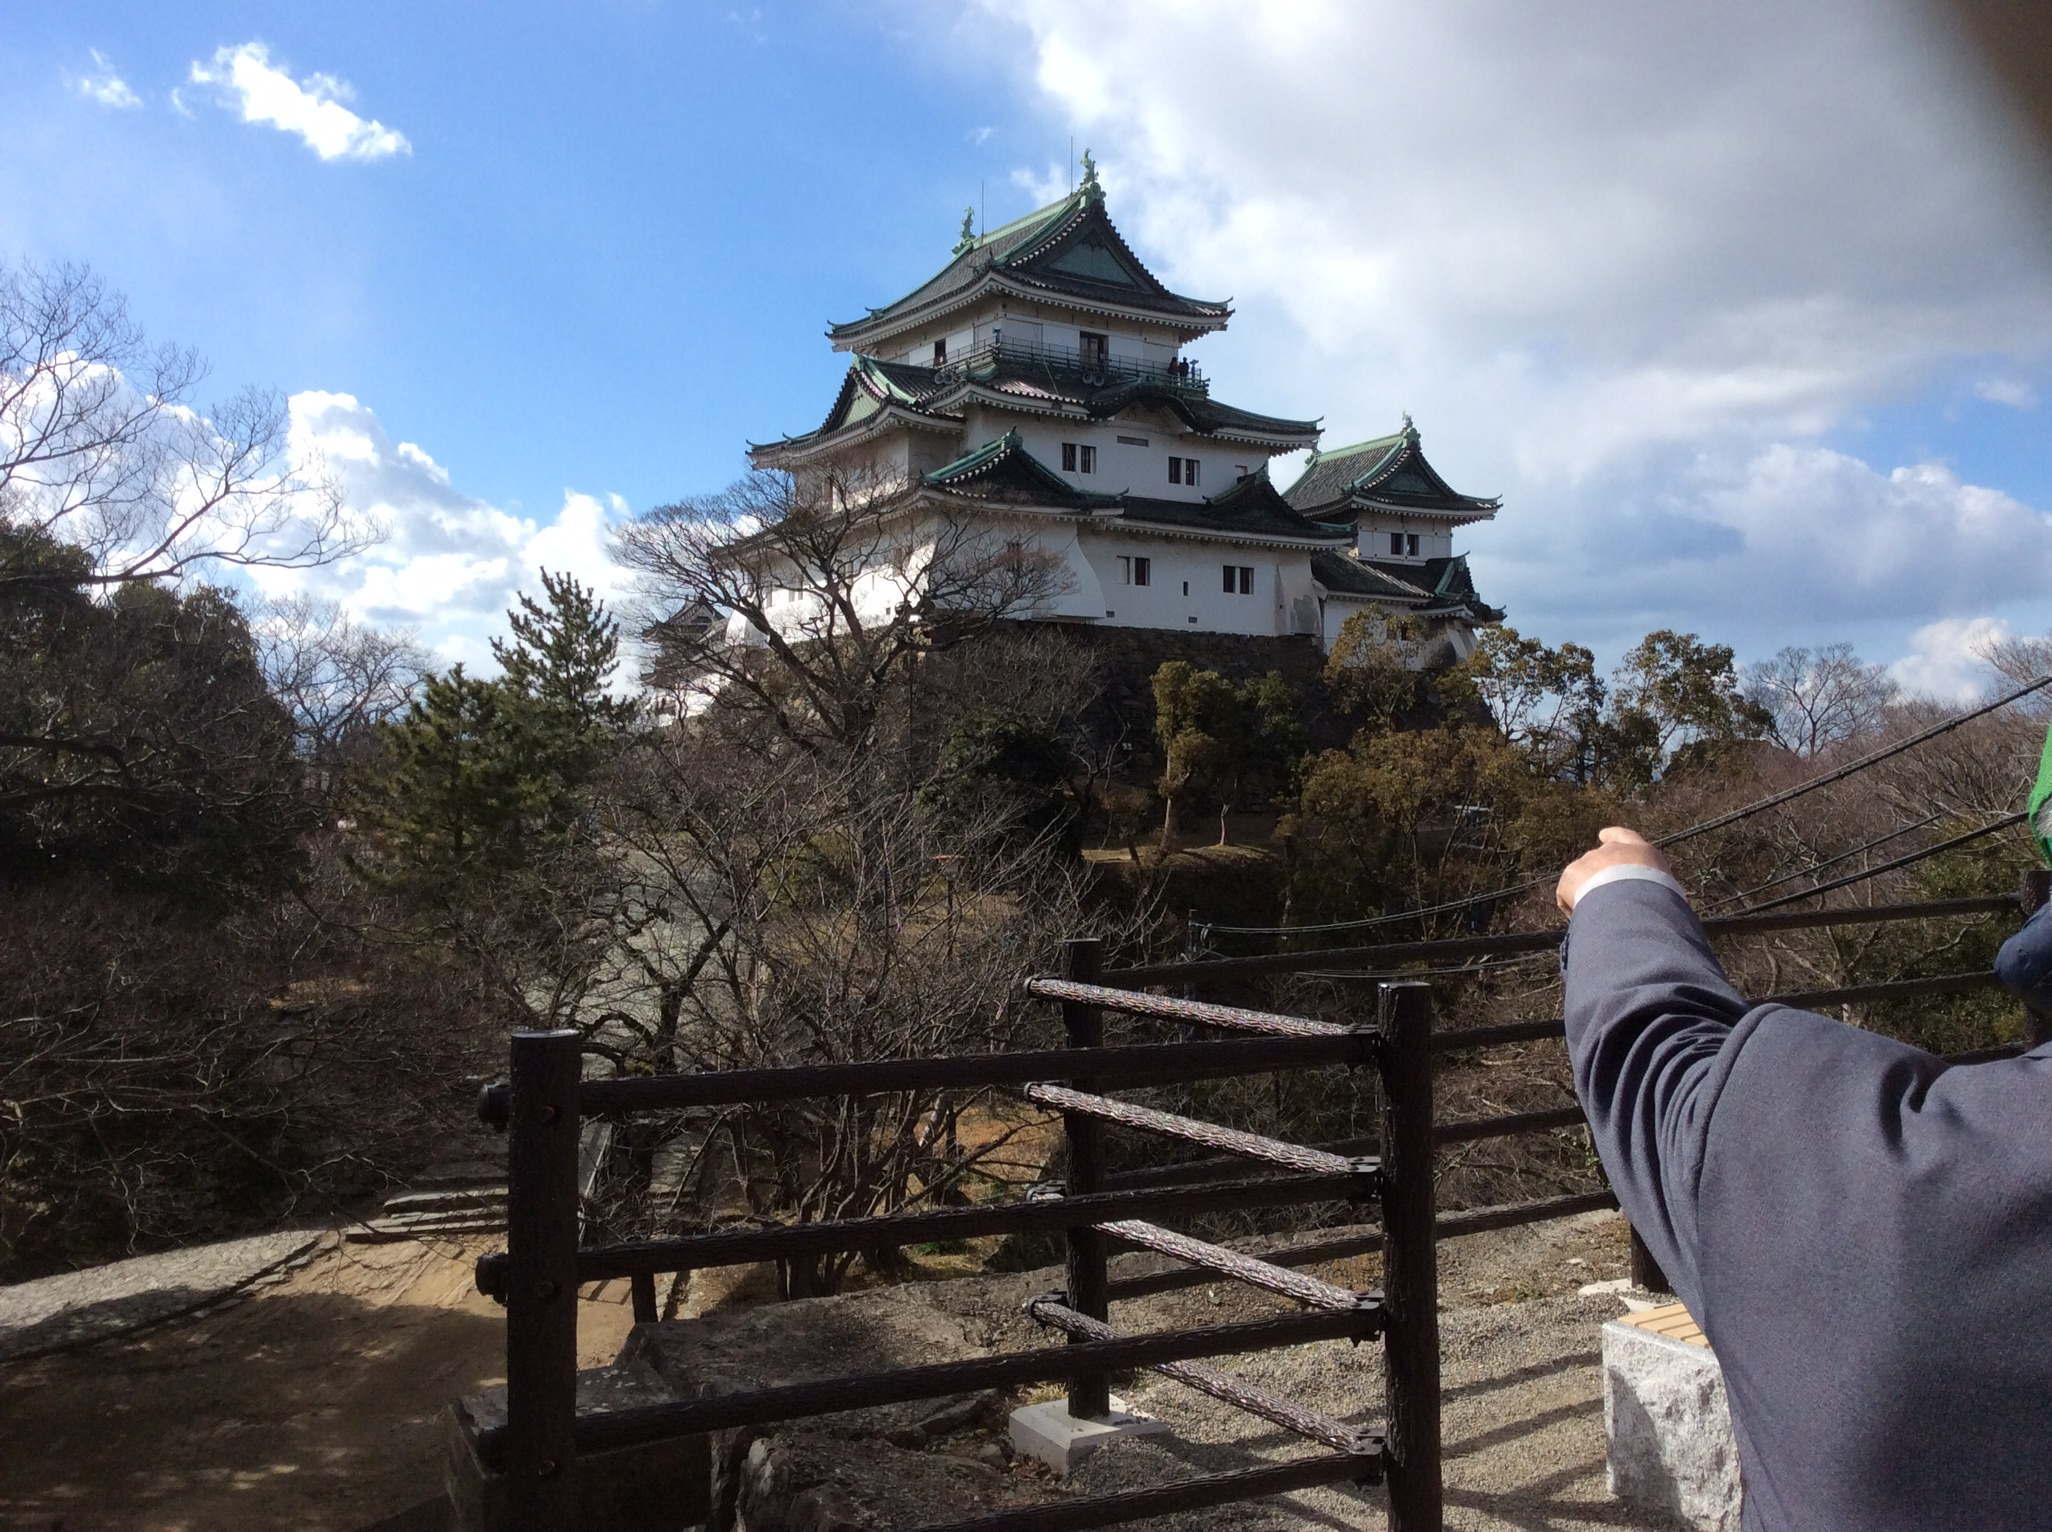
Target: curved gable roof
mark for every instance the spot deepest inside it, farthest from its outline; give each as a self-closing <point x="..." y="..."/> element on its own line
<point x="1004" y="470"/>
<point x="1384" y="470"/>
<point x="869" y="386"/>
<point x="1067" y="250"/>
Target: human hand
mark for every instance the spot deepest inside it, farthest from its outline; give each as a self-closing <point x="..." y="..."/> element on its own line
<point x="1616" y="847"/>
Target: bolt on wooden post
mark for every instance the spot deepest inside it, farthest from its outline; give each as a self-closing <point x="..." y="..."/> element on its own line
<point x="1410" y="1260"/>
<point x="1089" y="1285"/>
<point x="541" y="1292"/>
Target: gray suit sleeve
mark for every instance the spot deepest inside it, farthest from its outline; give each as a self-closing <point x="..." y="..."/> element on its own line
<point x="1649" y="1013"/>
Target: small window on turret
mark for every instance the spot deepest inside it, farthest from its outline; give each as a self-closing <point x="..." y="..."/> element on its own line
<point x="940" y="351"/>
<point x="1094" y="349"/>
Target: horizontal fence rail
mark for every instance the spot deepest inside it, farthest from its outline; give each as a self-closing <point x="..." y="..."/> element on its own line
<point x="538" y="1275"/>
<point x="1241" y="1267"/>
<point x="1291" y="1417"/>
<point x="1209" y="1135"/>
<point x="1170" y="1008"/>
<point x="799" y="1401"/>
<point x="698" y="1252"/>
<point x="1137" y="1064"/>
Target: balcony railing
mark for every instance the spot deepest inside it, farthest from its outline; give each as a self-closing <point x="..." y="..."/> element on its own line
<point x="1071" y="363"/>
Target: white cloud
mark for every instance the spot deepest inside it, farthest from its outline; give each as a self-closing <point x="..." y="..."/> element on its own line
<point x="980" y="136"/>
<point x="1947" y="658"/>
<point x="450" y="564"/>
<point x="313" y="108"/>
<point x="2013" y="392"/>
<point x="104" y="85"/>
<point x="1802" y="534"/>
<point x="1626" y="275"/>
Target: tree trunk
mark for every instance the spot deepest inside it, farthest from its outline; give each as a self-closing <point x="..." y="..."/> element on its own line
<point x="1168" y="824"/>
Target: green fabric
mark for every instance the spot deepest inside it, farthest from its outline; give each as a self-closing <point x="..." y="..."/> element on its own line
<point x="2040" y="806"/>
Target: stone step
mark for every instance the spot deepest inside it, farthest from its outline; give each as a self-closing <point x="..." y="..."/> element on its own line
<point x="420" y="1225"/>
<point x="447" y="1199"/>
<point x="467" y="1172"/>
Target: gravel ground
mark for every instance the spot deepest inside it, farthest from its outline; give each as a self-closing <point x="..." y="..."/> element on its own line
<point x="82" y="1307"/>
<point x="1523" y="1427"/>
<point x="1520" y="1354"/>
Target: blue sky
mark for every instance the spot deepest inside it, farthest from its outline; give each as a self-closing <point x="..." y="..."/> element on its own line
<point x="1746" y="312"/>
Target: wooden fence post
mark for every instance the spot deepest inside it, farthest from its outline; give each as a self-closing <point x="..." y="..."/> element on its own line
<point x="1646" y="1272"/>
<point x="541" y="1290"/>
<point x="2037" y="887"/>
<point x="1410" y="1260"/>
<point x="1089" y="1286"/>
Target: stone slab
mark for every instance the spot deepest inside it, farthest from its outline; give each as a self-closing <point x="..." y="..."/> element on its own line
<point x="1061" y="1440"/>
<point x="1667" y="1424"/>
<point x="102" y="1302"/>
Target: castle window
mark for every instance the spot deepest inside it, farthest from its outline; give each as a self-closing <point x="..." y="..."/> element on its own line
<point x="1403" y="545"/>
<point x="1239" y="579"/>
<point x="1094" y="349"/>
<point x="1132" y="441"/>
<point x="1079" y="457"/>
<point x="940" y="351"/>
<point x="1134" y="570"/>
<point x="1183" y="470"/>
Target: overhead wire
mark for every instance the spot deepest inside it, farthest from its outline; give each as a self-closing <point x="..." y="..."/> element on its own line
<point x="1492" y="966"/>
<point x="1830" y="861"/>
<point x="1924" y="854"/>
<point x="1718" y="822"/>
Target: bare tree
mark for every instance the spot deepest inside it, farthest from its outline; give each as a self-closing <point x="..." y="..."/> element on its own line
<point x="104" y="446"/>
<point x="337" y="678"/>
<point x="775" y="913"/>
<point x="1820" y="698"/>
<point x="831" y="586"/>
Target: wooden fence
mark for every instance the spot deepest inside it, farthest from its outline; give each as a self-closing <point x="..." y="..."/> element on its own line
<point x="538" y="1276"/>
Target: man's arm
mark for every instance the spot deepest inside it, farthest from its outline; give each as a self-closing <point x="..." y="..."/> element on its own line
<point x="2024" y="964"/>
<point x="1648" y="1012"/>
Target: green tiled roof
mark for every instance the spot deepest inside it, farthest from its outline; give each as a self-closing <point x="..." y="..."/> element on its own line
<point x="1391" y="469"/>
<point x="1446" y="580"/>
<point x="872" y="383"/>
<point x="869" y="385"/>
<point x="1199" y="412"/>
<point x="1004" y="470"/>
<point x="1345" y="573"/>
<point x="1036" y="384"/>
<point x="1066" y="249"/>
<point x="1250" y="507"/>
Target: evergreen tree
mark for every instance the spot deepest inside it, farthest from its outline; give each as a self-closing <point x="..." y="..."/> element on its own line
<point x="487" y="777"/>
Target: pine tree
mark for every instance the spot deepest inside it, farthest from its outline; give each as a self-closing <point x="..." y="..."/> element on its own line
<point x="487" y="777"/>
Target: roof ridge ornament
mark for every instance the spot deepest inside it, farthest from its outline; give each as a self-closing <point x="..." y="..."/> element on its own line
<point x="1092" y="190"/>
<point x="1410" y="431"/>
<point x="968" y="240"/>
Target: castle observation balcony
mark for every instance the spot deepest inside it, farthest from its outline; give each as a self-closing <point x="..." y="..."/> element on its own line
<point x="1002" y="355"/>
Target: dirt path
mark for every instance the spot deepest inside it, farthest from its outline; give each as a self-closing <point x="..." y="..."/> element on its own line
<point x="313" y="1404"/>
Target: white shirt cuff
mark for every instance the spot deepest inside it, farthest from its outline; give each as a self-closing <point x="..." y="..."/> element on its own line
<point x="1628" y="871"/>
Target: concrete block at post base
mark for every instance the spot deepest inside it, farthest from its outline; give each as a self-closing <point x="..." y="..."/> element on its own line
<point x="1061" y="1440"/>
<point x="1666" y="1421"/>
<point x="657" y="1485"/>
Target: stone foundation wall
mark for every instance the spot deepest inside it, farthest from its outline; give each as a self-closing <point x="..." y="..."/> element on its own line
<point x="1129" y="658"/>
